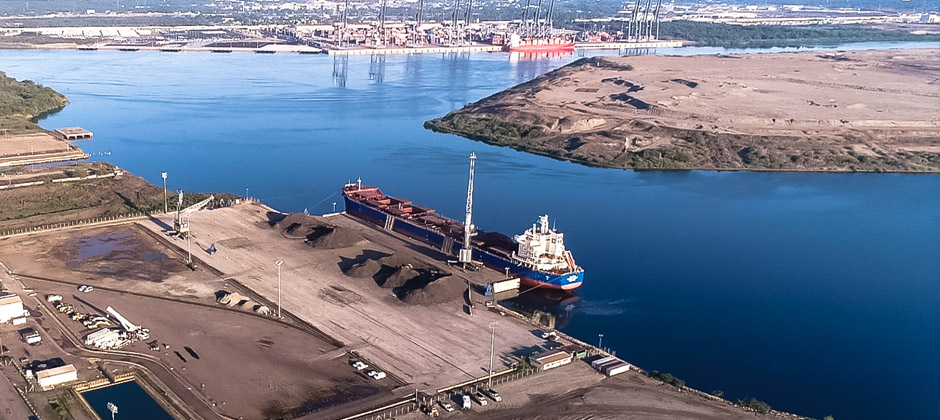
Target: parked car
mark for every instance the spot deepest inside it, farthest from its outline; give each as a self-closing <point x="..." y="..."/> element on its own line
<point x="466" y="401"/>
<point x="447" y="406"/>
<point x="480" y="399"/>
<point x="359" y="365"/>
<point x="377" y="374"/>
<point x="551" y="335"/>
<point x="494" y="395"/>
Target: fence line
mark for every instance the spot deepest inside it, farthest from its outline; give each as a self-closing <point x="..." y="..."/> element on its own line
<point x="94" y="220"/>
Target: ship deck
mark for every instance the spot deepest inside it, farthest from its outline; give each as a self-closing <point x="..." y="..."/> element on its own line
<point x="426" y="217"/>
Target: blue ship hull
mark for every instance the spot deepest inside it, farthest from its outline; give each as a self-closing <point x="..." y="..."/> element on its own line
<point x="450" y="246"/>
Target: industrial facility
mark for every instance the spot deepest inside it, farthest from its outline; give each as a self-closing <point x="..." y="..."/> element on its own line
<point x="610" y="366"/>
<point x="107" y="338"/>
<point x="11" y="309"/>
<point x="50" y="378"/>
<point x="551" y="359"/>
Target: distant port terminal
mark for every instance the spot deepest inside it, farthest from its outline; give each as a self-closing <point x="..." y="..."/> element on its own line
<point x="358" y="39"/>
<point x="534" y="34"/>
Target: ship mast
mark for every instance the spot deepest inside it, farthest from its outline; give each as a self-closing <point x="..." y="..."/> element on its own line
<point x="465" y="254"/>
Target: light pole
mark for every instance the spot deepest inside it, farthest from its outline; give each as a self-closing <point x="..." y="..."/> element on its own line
<point x="489" y="381"/>
<point x="278" y="263"/>
<point x="600" y="339"/>
<point x="113" y="409"/>
<point x="166" y="208"/>
<point x="189" y="248"/>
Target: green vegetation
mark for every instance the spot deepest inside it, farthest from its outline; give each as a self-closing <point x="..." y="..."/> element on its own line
<point x="22" y="103"/>
<point x="754" y="404"/>
<point x="64" y="202"/>
<point x="59" y="407"/>
<point x="762" y="36"/>
<point x="668" y="379"/>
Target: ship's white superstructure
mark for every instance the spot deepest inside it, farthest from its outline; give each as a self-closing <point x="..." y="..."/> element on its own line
<point x="543" y="248"/>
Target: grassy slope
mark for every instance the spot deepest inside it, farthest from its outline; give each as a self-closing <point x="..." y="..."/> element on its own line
<point x="22" y="102"/>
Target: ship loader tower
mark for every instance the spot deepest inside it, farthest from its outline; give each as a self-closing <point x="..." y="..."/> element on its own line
<point x="464" y="257"/>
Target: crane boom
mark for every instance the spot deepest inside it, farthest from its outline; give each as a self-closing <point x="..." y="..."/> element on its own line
<point x="197" y="206"/>
<point x="129" y="326"/>
<point x="465" y="254"/>
<point x="180" y="226"/>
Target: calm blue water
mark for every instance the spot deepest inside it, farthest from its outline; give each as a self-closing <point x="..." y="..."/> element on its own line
<point x="131" y="400"/>
<point x="817" y="293"/>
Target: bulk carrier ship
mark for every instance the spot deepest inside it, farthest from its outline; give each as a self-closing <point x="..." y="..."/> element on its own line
<point x="537" y="256"/>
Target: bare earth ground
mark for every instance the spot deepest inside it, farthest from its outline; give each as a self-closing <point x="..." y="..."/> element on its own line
<point x="577" y="392"/>
<point x="255" y="367"/>
<point x="118" y="257"/>
<point x="250" y="366"/>
<point x="34" y="148"/>
<point x="843" y="111"/>
<point x="31" y="143"/>
<point x="49" y="353"/>
<point x="52" y="203"/>
<point x="429" y="346"/>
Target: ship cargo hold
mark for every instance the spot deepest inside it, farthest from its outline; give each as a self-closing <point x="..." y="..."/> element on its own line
<point x="538" y="256"/>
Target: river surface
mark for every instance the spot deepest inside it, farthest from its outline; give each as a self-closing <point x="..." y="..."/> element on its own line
<point x="131" y="400"/>
<point x="817" y="293"/>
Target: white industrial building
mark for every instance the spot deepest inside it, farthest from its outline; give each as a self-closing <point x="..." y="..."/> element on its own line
<point x="11" y="307"/>
<point x="49" y="378"/>
<point x="610" y="366"/>
<point x="107" y="338"/>
<point x="551" y="359"/>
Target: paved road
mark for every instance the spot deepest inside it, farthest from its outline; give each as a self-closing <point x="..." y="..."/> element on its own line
<point x="11" y="406"/>
<point x="177" y="385"/>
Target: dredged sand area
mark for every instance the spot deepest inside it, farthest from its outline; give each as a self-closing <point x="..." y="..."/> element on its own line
<point x="832" y="111"/>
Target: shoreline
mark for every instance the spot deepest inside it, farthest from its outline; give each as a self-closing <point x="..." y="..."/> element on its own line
<point x="741" y="112"/>
<point x="589" y="164"/>
<point x="520" y="317"/>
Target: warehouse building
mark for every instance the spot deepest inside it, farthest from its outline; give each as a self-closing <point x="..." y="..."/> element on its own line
<point x="11" y="307"/>
<point x="551" y="360"/>
<point x="49" y="378"/>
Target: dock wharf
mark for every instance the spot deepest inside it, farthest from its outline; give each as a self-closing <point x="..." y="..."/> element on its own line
<point x="430" y="49"/>
<point x="74" y="133"/>
<point x="627" y="45"/>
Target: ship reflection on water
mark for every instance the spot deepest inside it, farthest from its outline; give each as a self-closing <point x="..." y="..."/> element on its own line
<point x="376" y="67"/>
<point x="531" y="56"/>
<point x="549" y="308"/>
